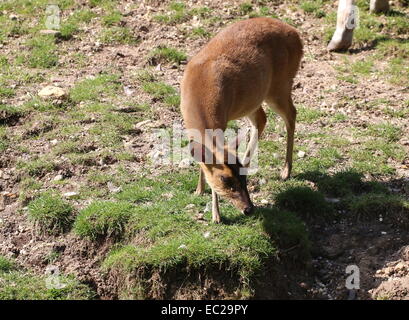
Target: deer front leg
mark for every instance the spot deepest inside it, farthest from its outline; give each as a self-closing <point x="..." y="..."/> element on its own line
<point x="215" y="208"/>
<point x="201" y="183"/>
<point x="342" y="38"/>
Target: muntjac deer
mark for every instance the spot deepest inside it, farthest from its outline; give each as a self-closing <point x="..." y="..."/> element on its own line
<point x="248" y="62"/>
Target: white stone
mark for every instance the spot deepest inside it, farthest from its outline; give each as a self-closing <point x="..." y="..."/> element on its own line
<point x="70" y="195"/>
<point x="185" y="163"/>
<point x="58" y="177"/>
<point x="51" y="92"/>
<point x="301" y="154"/>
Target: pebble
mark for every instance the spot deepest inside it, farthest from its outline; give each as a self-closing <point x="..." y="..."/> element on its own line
<point x="70" y="195"/>
<point x="112" y="188"/>
<point x="50" y="32"/>
<point x="58" y="177"/>
<point x="301" y="154"/>
<point x="332" y="200"/>
<point x="185" y="163"/>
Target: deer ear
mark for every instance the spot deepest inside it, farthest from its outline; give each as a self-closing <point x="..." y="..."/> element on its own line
<point x="198" y="151"/>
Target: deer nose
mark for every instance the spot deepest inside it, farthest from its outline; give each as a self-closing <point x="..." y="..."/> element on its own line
<point x="248" y="210"/>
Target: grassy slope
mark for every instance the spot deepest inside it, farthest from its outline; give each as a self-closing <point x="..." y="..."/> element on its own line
<point x="156" y="222"/>
<point x="19" y="284"/>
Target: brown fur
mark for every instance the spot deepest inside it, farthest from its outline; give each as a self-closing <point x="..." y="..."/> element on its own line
<point x="248" y="62"/>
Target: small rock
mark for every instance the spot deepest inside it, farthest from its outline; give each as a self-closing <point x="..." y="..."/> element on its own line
<point x="58" y="177"/>
<point x="301" y="154"/>
<point x="332" y="200"/>
<point x="185" y="163"/>
<point x="264" y="201"/>
<point x="112" y="188"/>
<point x="208" y="207"/>
<point x="190" y="206"/>
<point x="143" y="124"/>
<point x="70" y="195"/>
<point x="51" y="92"/>
<point x="206" y="234"/>
<point x="149" y="124"/>
<point x="128" y="91"/>
<point x="388" y="271"/>
<point x="262" y="181"/>
<point x="182" y="246"/>
<point x="50" y="32"/>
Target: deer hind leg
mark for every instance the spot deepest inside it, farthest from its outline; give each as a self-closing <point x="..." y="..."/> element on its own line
<point x="258" y="120"/>
<point x="377" y="6"/>
<point x="285" y="108"/>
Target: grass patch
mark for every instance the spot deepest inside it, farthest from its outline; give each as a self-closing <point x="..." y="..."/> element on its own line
<point x="313" y="7"/>
<point x="286" y="229"/>
<point x="6" y="265"/>
<point x="36" y="167"/>
<point x="166" y="54"/>
<point x="308" y="115"/>
<point x="200" y="32"/>
<point x="372" y="157"/>
<point x="103" y="219"/>
<point x="392" y="208"/>
<point x="4" y="141"/>
<point x="308" y="203"/>
<point x="162" y="92"/>
<point x="94" y="89"/>
<point x="42" y="52"/>
<point x="388" y="131"/>
<point x="118" y="35"/>
<point x="51" y="213"/>
<point x="176" y="13"/>
<point x="24" y="285"/>
<point x="113" y="18"/>
<point x="170" y="240"/>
